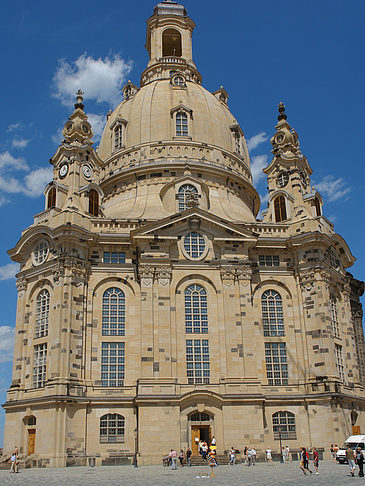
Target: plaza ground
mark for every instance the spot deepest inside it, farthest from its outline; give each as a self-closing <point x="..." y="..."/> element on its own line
<point x="259" y="475"/>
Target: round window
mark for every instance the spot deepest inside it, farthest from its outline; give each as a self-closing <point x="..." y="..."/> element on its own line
<point x="179" y="81"/>
<point x="194" y="245"/>
<point x="40" y="252"/>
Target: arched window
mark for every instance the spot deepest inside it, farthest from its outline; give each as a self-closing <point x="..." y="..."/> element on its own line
<point x="51" y="201"/>
<point x="184" y="192"/>
<point x="113" y="312"/>
<point x="334" y="316"/>
<point x="93" y="202"/>
<point x="31" y="420"/>
<point x="283" y="424"/>
<point x="42" y="314"/>
<point x="199" y="417"/>
<point x="171" y="43"/>
<point x="280" y="209"/>
<point x="118" y="137"/>
<point x="182" y="124"/>
<point x="179" y="81"/>
<point x="112" y="427"/>
<point x="196" y="310"/>
<point x="272" y="313"/>
<point x="317" y="206"/>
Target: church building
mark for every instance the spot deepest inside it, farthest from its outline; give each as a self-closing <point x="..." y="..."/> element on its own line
<point x="155" y="308"/>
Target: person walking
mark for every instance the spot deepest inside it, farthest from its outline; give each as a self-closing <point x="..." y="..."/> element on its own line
<point x="245" y="455"/>
<point x="332" y="453"/>
<point x="304" y="461"/>
<point x="188" y="456"/>
<point x="13" y="462"/>
<point x="181" y="458"/>
<point x="212" y="463"/>
<point x="335" y="450"/>
<point x="214" y="442"/>
<point x="200" y="447"/>
<point x="288" y="454"/>
<point x="283" y="455"/>
<point x="232" y="456"/>
<point x="204" y="451"/>
<point x="350" y="456"/>
<point x="173" y="456"/>
<point x="360" y="461"/>
<point x="315" y="459"/>
<point x="253" y="451"/>
<point x="268" y="456"/>
<point x="249" y="457"/>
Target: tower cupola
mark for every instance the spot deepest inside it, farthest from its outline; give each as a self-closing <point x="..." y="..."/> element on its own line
<point x="169" y="44"/>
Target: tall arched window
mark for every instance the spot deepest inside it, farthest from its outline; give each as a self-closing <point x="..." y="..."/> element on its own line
<point x="51" y="201"/>
<point x="280" y="209"/>
<point x="118" y="137"/>
<point x="283" y="424"/>
<point x="196" y="310"/>
<point x="93" y="202"/>
<point x="42" y="314"/>
<point x="183" y="195"/>
<point x="112" y="428"/>
<point x="317" y="206"/>
<point x="181" y="124"/>
<point x="113" y="312"/>
<point x="272" y="313"/>
<point x="171" y="43"/>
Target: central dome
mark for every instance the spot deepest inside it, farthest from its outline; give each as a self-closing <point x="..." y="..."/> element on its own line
<point x="148" y="116"/>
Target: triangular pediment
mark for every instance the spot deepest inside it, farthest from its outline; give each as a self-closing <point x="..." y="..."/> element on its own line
<point x="194" y="219"/>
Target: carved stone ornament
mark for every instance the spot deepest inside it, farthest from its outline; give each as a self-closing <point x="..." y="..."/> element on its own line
<point x="146" y="273"/>
<point x="356" y="310"/>
<point x="244" y="274"/>
<point x="228" y="276"/>
<point x="164" y="274"/>
<point x="21" y="285"/>
<point x="307" y="278"/>
<point x="58" y="273"/>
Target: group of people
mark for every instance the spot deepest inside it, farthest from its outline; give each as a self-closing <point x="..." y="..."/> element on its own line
<point x="304" y="461"/>
<point x="355" y="457"/>
<point x="249" y="456"/>
<point x="171" y="459"/>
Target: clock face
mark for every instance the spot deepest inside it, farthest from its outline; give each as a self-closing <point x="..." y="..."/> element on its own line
<point x="63" y="170"/>
<point x="87" y="171"/>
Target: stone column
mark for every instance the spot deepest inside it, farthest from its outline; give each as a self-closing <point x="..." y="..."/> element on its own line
<point x="162" y="325"/>
<point x="146" y="273"/>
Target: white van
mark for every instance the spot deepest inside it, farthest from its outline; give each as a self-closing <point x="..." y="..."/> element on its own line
<point x="354" y="441"/>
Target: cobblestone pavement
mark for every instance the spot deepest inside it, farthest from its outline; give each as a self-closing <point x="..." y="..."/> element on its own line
<point x="259" y="475"/>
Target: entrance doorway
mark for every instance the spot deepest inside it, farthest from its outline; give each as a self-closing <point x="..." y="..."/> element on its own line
<point x="31" y="441"/>
<point x="200" y="432"/>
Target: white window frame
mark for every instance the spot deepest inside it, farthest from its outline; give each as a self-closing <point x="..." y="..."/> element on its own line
<point x="39" y="365"/>
<point x="42" y="313"/>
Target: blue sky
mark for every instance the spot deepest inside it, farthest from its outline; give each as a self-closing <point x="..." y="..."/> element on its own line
<point x="307" y="54"/>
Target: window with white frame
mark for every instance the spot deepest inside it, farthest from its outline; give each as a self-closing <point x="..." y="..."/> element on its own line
<point x="194" y="245"/>
<point x="276" y="363"/>
<point x="339" y="362"/>
<point x="112" y="364"/>
<point x="112" y="428"/>
<point x="40" y="253"/>
<point x="184" y="192"/>
<point x="118" y="137"/>
<point x="181" y="124"/>
<point x="283" y="424"/>
<point x="113" y="312"/>
<point x="272" y="313"/>
<point x="197" y="361"/>
<point x="196" y="309"/>
<point x="334" y="316"/>
<point x="178" y="81"/>
<point x="113" y="257"/>
<point x="39" y="365"/>
<point x="269" y="260"/>
<point x="42" y="314"/>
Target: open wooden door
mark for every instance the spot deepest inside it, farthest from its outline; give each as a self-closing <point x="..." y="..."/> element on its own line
<point x="31" y="441"/>
<point x="195" y="434"/>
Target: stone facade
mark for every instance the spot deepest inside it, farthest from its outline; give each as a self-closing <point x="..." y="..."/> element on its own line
<point x="153" y="306"/>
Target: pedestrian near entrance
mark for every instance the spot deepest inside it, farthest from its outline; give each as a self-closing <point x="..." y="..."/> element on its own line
<point x="188" y="457"/>
<point x="333" y="458"/>
<point x="12" y="462"/>
<point x="253" y="451"/>
<point x="181" y="458"/>
<point x="245" y="455"/>
<point x="350" y="456"/>
<point x="214" y="442"/>
<point x="268" y="456"/>
<point x="315" y="459"/>
<point x="360" y="461"/>
<point x="204" y="451"/>
<point x="335" y="450"/>
<point x="249" y="457"/>
<point x="304" y="461"/>
<point x="232" y="456"/>
<point x="212" y="463"/>
<point x="173" y="456"/>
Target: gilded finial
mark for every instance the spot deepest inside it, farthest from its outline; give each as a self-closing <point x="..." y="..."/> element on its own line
<point x="79" y="99"/>
<point x="281" y="108"/>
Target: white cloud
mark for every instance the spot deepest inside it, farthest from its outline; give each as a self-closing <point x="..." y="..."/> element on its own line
<point x="257" y="164"/>
<point x="7" y="161"/>
<point x="8" y="271"/>
<point x="98" y="123"/>
<point x="6" y="343"/>
<point x="3" y="200"/>
<point x="333" y="189"/>
<point x="14" y="126"/>
<point x="36" y="181"/>
<point x="256" y="140"/>
<point x="264" y="199"/>
<point x="20" y="143"/>
<point x="100" y="79"/>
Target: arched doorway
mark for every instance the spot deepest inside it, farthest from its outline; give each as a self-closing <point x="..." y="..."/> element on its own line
<point x="30" y="423"/>
<point x="201" y="428"/>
